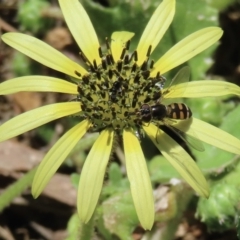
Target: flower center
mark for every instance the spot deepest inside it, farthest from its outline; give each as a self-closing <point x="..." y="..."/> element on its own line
<point x="112" y="94"/>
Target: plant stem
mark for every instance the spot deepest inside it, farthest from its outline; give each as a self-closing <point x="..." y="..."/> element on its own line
<point x="87" y="229"/>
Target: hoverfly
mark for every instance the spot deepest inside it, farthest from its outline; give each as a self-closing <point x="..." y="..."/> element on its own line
<point x="166" y="114"/>
<point x="158" y="112"/>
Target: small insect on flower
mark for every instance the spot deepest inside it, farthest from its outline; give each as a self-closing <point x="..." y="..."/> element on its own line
<point x="164" y="115"/>
<point x="115" y="90"/>
<point x="159" y="111"/>
<point x="161" y="83"/>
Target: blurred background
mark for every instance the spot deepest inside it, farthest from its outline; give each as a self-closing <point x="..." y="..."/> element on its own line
<point x="180" y="214"/>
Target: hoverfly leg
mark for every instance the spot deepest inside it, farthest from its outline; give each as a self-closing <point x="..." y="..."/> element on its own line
<point x="139" y="133"/>
<point x="157" y="136"/>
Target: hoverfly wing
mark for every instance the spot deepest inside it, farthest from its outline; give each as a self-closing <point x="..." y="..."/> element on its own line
<point x="182" y="76"/>
<point x="192" y="140"/>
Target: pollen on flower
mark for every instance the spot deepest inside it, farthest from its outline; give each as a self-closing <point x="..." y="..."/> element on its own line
<point x="112" y="93"/>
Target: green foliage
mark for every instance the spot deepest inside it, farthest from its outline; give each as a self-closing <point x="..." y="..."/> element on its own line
<point x="190" y="17"/>
<point x="161" y="171"/>
<point x="115" y="175"/>
<point x="16" y="189"/>
<point x="21" y="64"/>
<point x="214" y="160"/>
<point x="45" y="132"/>
<point x="219" y="5"/>
<point x="30" y="15"/>
<point x="238" y="226"/>
<point x="78" y="230"/>
<point x="73" y="227"/>
<point x="121" y="15"/>
<point x="79" y="153"/>
<point x="118" y="215"/>
<point x="75" y="179"/>
<point x="219" y="211"/>
<point x="133" y="16"/>
<point x="211" y="110"/>
<point x="116" y="181"/>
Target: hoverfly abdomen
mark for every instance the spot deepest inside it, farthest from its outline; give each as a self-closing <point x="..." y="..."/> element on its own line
<point x="178" y="111"/>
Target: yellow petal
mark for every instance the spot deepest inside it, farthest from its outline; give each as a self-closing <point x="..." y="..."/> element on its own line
<point x="179" y="159"/>
<point x="35" y="118"/>
<point x="156" y="27"/>
<point x="43" y="53"/>
<point x="81" y="28"/>
<point x="139" y="179"/>
<point x="92" y="175"/>
<point x="55" y="157"/>
<point x="118" y="40"/>
<point x="210" y="134"/>
<point x="204" y="88"/>
<point x="187" y="48"/>
<point x="37" y="84"/>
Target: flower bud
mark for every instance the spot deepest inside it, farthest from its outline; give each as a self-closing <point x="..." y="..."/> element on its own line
<point x="219" y="211"/>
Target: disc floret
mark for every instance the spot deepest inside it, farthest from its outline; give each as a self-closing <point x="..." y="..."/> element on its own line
<point x="112" y="93"/>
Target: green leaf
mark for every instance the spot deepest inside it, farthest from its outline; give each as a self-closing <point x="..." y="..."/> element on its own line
<point x="190" y="17"/>
<point x="214" y="159"/>
<point x="73" y="227"/>
<point x="30" y="15"/>
<point x="119" y="216"/>
<point x="219" y="211"/>
<point x="161" y="171"/>
<point x="115" y="175"/>
<point x="219" y="5"/>
<point x="16" y="189"/>
<point x="210" y="109"/>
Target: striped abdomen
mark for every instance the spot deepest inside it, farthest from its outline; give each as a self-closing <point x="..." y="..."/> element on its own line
<point x="178" y="111"/>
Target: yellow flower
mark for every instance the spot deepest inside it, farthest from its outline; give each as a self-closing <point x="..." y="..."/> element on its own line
<point x="111" y="88"/>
